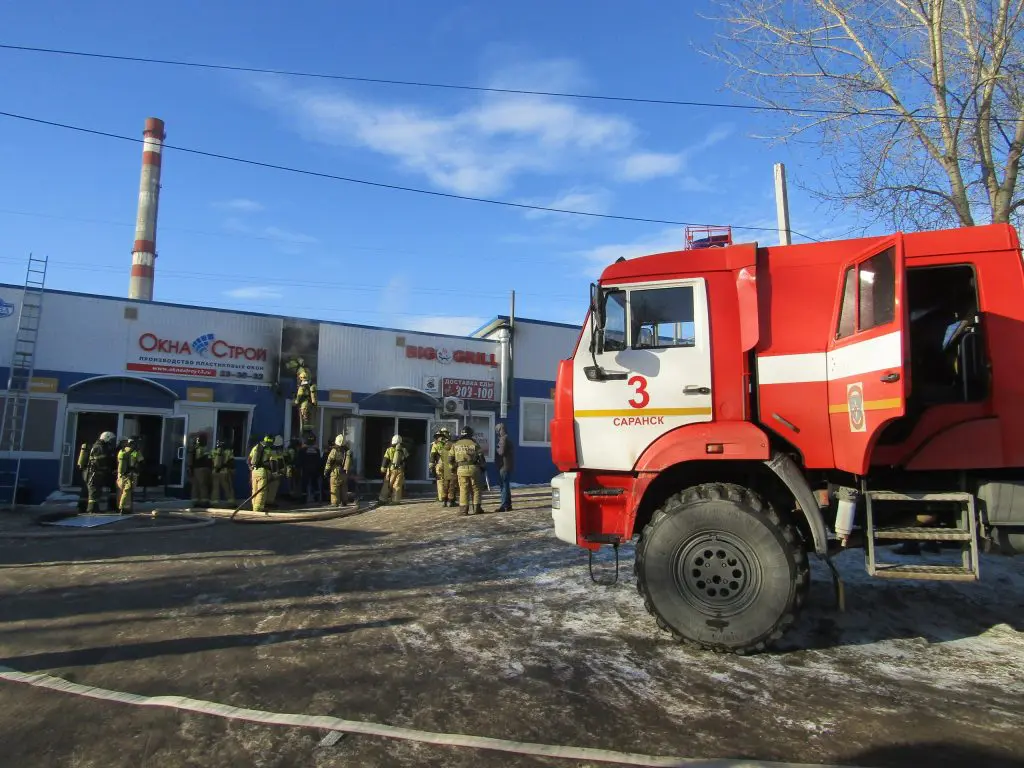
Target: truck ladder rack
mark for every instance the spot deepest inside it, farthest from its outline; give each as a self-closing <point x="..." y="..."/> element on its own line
<point x="966" y="533"/>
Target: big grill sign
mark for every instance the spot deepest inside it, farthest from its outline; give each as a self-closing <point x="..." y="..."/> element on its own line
<point x="205" y="356"/>
<point x="445" y="356"/>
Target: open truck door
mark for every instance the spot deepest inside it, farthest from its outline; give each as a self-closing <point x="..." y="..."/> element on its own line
<point x="866" y="368"/>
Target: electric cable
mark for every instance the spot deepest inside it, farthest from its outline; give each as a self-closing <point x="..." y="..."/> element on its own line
<point x="881" y="112"/>
<point x="383" y="185"/>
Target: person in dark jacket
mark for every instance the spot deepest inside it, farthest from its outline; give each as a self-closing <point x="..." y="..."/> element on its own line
<point x="311" y="465"/>
<point x="504" y="459"/>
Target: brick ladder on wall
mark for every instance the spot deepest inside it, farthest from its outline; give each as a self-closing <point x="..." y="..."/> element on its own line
<point x="19" y="382"/>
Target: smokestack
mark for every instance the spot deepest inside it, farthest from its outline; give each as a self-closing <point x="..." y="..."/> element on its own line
<point x="144" y="251"/>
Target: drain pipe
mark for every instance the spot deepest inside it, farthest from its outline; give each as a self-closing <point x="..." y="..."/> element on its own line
<point x="503" y="339"/>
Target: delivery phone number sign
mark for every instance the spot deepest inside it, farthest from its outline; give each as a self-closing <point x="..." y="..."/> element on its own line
<point x="468" y="389"/>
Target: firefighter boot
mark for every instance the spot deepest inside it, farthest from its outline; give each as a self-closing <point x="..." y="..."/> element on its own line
<point x="464" y="510"/>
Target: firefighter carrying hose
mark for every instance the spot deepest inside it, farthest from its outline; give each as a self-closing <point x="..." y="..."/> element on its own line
<point x="339" y="464"/>
<point x="259" y="462"/>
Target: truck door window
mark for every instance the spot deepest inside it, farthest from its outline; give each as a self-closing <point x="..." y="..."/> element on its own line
<point x="662" y="317"/>
<point x="869" y="295"/>
<point x="615" y="321"/>
<point x="877" y="290"/>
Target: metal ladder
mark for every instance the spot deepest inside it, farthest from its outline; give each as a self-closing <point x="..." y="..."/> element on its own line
<point x="966" y="533"/>
<point x="19" y="381"/>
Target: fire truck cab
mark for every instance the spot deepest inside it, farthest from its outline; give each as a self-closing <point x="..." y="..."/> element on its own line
<point x="741" y="407"/>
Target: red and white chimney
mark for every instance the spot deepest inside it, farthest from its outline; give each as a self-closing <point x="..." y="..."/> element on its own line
<point x="144" y="251"/>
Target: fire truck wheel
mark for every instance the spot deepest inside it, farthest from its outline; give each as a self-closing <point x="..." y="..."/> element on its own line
<point x="719" y="568"/>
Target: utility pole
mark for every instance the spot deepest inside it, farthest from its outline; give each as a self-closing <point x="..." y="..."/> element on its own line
<point x="782" y="204"/>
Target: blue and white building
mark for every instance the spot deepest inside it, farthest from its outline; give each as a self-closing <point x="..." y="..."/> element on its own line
<point x="164" y="372"/>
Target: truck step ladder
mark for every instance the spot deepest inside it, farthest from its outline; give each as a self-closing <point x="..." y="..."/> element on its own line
<point x="19" y="382"/>
<point x="966" y="533"/>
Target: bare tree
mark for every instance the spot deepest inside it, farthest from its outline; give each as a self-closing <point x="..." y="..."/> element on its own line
<point x="919" y="104"/>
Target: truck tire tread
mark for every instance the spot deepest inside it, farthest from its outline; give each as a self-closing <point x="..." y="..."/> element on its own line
<point x="677" y="503"/>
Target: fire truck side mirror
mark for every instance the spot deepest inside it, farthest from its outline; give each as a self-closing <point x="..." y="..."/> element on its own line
<point x="597" y="320"/>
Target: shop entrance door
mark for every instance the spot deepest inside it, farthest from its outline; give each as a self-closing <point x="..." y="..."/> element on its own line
<point x="172" y="445"/>
<point x="83" y="427"/>
<point x="378" y="432"/>
<point x="414" y="433"/>
<point x="147" y="429"/>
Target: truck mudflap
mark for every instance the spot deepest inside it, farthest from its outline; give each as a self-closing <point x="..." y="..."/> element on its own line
<point x="563" y="506"/>
<point x="789" y="473"/>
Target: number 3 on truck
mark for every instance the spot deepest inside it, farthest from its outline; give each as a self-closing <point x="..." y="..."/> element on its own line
<point x="641" y="397"/>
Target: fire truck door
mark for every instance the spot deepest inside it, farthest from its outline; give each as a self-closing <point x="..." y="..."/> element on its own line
<point x="866" y="371"/>
<point x="655" y="371"/>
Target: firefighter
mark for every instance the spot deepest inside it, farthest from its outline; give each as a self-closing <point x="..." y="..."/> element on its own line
<point x="310" y="468"/>
<point x="393" y="469"/>
<point x="305" y="394"/>
<point x="200" y="471"/>
<point x="440" y="451"/>
<point x="291" y="469"/>
<point x="100" y="466"/>
<point x="275" y="469"/>
<point x="467" y="460"/>
<point x="129" y="460"/>
<point x="259" y="472"/>
<point x="339" y="464"/>
<point x="223" y="474"/>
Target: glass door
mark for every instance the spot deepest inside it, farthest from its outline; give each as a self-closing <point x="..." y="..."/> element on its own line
<point x="69" y="453"/>
<point x="172" y="454"/>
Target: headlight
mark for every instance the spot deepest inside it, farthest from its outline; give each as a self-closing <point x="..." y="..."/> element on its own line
<point x="554" y="498"/>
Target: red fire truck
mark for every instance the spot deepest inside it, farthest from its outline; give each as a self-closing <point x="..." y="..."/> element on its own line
<point x="741" y="407"/>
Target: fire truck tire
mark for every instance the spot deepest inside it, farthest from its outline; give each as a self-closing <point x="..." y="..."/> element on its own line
<point x="719" y="568"/>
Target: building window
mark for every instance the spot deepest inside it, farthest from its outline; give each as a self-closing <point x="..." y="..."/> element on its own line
<point x="483" y="433"/>
<point x="535" y="417"/>
<point x="40" y="424"/>
<point x="232" y="428"/>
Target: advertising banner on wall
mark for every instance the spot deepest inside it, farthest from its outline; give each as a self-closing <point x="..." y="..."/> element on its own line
<point x="207" y="355"/>
<point x="469" y="389"/>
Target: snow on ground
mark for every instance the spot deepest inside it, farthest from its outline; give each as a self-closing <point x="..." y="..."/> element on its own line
<point x="413" y="615"/>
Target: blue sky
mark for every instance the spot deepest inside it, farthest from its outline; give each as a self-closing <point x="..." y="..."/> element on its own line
<point x="262" y="240"/>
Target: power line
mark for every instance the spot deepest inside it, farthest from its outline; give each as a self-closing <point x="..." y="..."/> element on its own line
<point x="461" y="87"/>
<point x="382" y="185"/>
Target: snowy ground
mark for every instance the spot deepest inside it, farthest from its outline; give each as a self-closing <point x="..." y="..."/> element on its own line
<point x="487" y="625"/>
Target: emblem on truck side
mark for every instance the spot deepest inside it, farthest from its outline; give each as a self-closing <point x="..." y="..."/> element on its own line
<point x="855" y="405"/>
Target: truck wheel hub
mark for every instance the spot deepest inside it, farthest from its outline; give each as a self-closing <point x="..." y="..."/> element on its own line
<point x="717" y="573"/>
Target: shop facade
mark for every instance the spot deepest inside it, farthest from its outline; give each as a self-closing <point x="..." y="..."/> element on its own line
<point x="164" y="372"/>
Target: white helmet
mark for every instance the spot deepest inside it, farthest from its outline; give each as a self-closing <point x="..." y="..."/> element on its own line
<point x="396" y="440"/>
<point x="278" y="441"/>
<point x="107" y="437"/>
<point x="339" y="440"/>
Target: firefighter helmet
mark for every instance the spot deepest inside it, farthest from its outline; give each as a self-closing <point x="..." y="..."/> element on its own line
<point x="107" y="437"/>
<point x="339" y="441"/>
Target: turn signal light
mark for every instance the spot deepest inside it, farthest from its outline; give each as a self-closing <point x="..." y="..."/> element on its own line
<point x="715" y="448"/>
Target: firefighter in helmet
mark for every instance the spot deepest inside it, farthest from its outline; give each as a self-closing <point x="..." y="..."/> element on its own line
<point x="129" y="461"/>
<point x="98" y="468"/>
<point x="440" y="467"/>
<point x="259" y="467"/>
<point x="467" y="461"/>
<point x="200" y="470"/>
<point x="336" y="469"/>
<point x="223" y="474"/>
<point x="393" y="469"/>
<point x="305" y="393"/>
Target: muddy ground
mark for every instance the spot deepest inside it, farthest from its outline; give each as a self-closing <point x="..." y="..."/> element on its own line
<point x="415" y="617"/>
